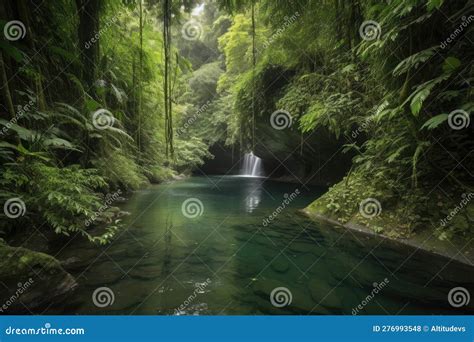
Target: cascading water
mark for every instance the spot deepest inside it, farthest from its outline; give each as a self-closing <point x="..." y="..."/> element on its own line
<point x="252" y="166"/>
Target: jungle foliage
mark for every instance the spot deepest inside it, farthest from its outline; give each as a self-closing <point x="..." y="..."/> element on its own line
<point x="169" y="97"/>
<point x="392" y="97"/>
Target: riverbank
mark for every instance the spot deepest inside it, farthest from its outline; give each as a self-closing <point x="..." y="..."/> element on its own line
<point x="459" y="250"/>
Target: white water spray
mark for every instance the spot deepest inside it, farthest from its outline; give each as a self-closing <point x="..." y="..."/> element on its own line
<point x="252" y="166"/>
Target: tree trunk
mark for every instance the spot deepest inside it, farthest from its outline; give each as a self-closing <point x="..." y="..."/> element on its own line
<point x="6" y="88"/>
<point x="140" y="80"/>
<point x="88" y="27"/>
<point x="254" y="63"/>
<point x="23" y="10"/>
<point x="167" y="81"/>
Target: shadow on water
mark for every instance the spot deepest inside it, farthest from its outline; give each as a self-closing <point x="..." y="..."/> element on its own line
<point x="226" y="260"/>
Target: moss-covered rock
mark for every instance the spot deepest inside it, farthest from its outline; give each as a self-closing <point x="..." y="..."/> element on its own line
<point x="31" y="281"/>
<point x="366" y="205"/>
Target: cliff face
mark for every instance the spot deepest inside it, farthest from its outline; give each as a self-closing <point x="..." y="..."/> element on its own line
<point x="319" y="162"/>
<point x="314" y="158"/>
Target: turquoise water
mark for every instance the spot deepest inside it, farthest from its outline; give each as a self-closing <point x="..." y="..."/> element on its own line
<point x="228" y="259"/>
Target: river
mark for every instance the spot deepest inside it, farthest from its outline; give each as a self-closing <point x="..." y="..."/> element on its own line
<point x="220" y="245"/>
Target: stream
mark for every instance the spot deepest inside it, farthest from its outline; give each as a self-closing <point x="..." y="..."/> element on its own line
<point x="217" y="245"/>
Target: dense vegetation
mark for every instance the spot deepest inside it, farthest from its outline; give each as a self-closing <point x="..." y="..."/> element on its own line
<point x="102" y="95"/>
<point x="379" y="76"/>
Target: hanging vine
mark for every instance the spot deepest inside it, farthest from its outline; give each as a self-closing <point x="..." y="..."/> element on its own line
<point x="167" y="79"/>
<point x="254" y="63"/>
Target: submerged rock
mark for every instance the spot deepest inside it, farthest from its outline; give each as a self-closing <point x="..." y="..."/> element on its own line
<point x="280" y="265"/>
<point x="324" y="294"/>
<point x="106" y="272"/>
<point x="145" y="272"/>
<point x="31" y="281"/>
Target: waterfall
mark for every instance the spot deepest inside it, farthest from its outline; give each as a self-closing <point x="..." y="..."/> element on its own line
<point x="252" y="166"/>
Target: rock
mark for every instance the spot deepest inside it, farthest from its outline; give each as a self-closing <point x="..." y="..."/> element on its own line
<point x="109" y="216"/>
<point x="280" y="265"/>
<point x="304" y="247"/>
<point x="104" y="273"/>
<point x="70" y="263"/>
<point x="146" y="272"/>
<point x="31" y="281"/>
<point x="324" y="294"/>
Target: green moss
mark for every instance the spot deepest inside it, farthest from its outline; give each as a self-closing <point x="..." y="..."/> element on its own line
<point x="400" y="216"/>
<point x="47" y="282"/>
<point x="20" y="263"/>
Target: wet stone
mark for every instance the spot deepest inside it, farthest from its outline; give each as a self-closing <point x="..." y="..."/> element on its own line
<point x="324" y="294"/>
<point x="280" y="265"/>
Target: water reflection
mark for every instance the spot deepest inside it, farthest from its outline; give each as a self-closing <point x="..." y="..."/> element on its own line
<point x="162" y="262"/>
<point x="253" y="195"/>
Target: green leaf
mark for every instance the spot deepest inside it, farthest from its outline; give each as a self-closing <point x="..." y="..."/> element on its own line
<point x="22" y="132"/>
<point x="348" y="68"/>
<point x="414" y="61"/>
<point x="5" y="144"/>
<point x="118" y="93"/>
<point x="422" y="91"/>
<point x="432" y="4"/>
<point x="11" y="51"/>
<point x="59" y="143"/>
<point x="418" y="99"/>
<point x="435" y="121"/>
<point x="450" y="64"/>
<point x="92" y="105"/>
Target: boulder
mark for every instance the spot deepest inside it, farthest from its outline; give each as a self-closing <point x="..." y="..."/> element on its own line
<point x="31" y="281"/>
